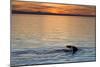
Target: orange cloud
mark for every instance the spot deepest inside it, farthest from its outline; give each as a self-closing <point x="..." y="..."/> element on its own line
<point x="53" y="8"/>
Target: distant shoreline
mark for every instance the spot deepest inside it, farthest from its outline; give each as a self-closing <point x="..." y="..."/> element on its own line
<point x="45" y="13"/>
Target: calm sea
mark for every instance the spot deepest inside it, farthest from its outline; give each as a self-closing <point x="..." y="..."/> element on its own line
<point x="37" y="39"/>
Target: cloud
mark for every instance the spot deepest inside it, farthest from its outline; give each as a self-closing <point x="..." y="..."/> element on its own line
<point x="54" y="8"/>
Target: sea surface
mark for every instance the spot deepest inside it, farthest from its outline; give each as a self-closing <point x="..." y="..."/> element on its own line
<point x="40" y="39"/>
<point x="50" y="55"/>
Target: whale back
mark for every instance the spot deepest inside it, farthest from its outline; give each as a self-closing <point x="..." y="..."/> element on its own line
<point x="74" y="49"/>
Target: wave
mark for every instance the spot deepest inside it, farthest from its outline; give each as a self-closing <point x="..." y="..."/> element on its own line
<point x="40" y="51"/>
<point x="49" y="55"/>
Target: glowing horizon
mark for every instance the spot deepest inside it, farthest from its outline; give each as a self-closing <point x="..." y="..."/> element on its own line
<point x="83" y="2"/>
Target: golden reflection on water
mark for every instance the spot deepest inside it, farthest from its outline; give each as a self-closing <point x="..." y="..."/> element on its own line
<point x="53" y="28"/>
<point x="38" y="30"/>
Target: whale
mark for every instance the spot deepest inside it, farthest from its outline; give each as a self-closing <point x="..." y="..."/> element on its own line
<point x="74" y="49"/>
<point x="69" y="48"/>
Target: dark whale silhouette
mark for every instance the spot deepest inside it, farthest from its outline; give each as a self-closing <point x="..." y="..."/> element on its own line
<point x="73" y="48"/>
<point x="69" y="48"/>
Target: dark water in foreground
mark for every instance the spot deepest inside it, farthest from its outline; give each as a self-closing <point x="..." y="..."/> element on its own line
<point x="50" y="55"/>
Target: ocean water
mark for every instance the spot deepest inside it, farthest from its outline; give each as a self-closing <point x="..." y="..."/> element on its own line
<point x="50" y="55"/>
<point x="40" y="39"/>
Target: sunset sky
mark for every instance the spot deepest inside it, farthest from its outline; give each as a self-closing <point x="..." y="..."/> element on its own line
<point x="85" y="2"/>
<point x="53" y="8"/>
